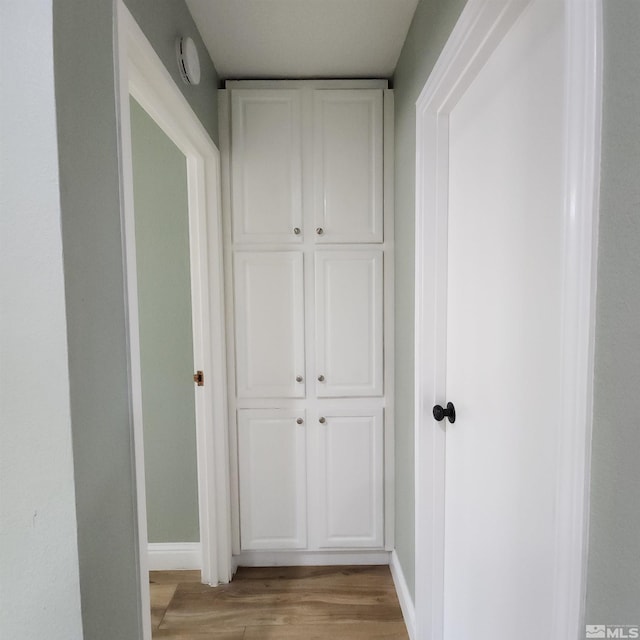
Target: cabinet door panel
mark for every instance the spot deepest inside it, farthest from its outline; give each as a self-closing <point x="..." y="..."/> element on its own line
<point x="266" y="166"/>
<point x="351" y="479"/>
<point x="269" y="310"/>
<point x="349" y="312"/>
<point x="271" y="448"/>
<point x="348" y="165"/>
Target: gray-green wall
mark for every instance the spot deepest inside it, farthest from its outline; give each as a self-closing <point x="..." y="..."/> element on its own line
<point x="90" y="197"/>
<point x="166" y="336"/>
<point x="162" y="22"/>
<point x="96" y="319"/>
<point x="431" y="26"/>
<point x="613" y="587"/>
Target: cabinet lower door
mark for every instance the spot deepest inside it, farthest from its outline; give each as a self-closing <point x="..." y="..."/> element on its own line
<point x="349" y="312"/>
<point x="350" y="478"/>
<point x="272" y="467"/>
<point x="269" y="311"/>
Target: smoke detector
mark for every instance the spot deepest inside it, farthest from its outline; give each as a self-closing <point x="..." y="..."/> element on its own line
<point x="188" y="60"/>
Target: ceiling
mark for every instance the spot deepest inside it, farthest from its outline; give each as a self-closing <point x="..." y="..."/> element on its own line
<point x="303" y="38"/>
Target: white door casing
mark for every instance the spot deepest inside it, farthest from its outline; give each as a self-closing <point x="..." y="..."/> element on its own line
<point x="267" y="166"/>
<point x="524" y="246"/>
<point x="349" y="306"/>
<point x="142" y="74"/>
<point x="347" y="174"/>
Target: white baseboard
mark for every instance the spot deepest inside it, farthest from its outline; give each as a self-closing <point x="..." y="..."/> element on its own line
<point x="172" y="556"/>
<point x="309" y="558"/>
<point x="404" y="596"/>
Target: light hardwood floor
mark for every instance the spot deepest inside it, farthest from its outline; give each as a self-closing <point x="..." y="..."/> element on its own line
<point x="278" y="603"/>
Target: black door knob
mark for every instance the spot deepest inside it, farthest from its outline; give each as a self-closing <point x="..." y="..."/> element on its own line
<point x="440" y="413"/>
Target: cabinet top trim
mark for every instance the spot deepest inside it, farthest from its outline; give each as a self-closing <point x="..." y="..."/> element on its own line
<point x="301" y="84"/>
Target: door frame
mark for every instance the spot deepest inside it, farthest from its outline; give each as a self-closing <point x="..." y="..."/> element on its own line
<point x="143" y="76"/>
<point x="480" y="28"/>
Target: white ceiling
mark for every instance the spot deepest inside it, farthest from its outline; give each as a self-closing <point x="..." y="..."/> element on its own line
<point x="303" y="38"/>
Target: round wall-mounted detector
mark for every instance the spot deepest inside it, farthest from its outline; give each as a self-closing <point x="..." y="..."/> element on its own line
<point x="188" y="60"/>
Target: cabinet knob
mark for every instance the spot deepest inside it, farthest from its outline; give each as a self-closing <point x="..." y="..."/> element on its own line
<point x="322" y="420"/>
<point x="298" y="378"/>
<point x="296" y="230"/>
<point x="319" y="231"/>
<point x="320" y="378"/>
<point x="299" y="420"/>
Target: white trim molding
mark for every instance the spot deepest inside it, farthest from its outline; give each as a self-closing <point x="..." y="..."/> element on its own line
<point x="143" y="76"/>
<point x="480" y="28"/>
<point x="404" y="595"/>
<point x="310" y="558"/>
<point x="174" y="556"/>
<point x="584" y="62"/>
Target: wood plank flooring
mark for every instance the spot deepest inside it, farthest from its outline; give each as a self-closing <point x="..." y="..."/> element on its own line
<point x="278" y="603"/>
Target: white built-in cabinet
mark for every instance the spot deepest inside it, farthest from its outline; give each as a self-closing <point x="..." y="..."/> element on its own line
<point x="350" y="478"/>
<point x="308" y="258"/>
<point x="269" y="312"/>
<point x="273" y="477"/>
<point x="347" y="165"/>
<point x="266" y="166"/>
<point x="348" y="322"/>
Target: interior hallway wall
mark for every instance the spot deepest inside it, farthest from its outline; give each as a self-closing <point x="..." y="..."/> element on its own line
<point x="90" y="194"/>
<point x="39" y="572"/>
<point x="613" y="587"/>
<point x="166" y="333"/>
<point x="431" y="26"/>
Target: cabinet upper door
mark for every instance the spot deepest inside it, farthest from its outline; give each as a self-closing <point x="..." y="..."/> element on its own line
<point x="273" y="487"/>
<point x="350" y="478"/>
<point x="347" y="168"/>
<point x="349" y="314"/>
<point x="266" y="160"/>
<point x="269" y="313"/>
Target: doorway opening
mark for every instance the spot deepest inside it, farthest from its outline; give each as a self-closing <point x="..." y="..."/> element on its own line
<point x="165" y="328"/>
<point x="147" y="90"/>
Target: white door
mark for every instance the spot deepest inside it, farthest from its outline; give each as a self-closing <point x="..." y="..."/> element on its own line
<point x="272" y="458"/>
<point x="269" y="310"/>
<point x="347" y="172"/>
<point x="349" y="309"/>
<point x="350" y="478"/>
<point x="266" y="156"/>
<point x="503" y="336"/>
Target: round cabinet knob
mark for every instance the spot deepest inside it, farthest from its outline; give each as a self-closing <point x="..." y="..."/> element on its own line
<point x="299" y="420"/>
<point x="319" y="231"/>
<point x="296" y="230"/>
<point x="440" y="413"/>
<point x="322" y="420"/>
<point x="320" y="378"/>
<point x="298" y="378"/>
